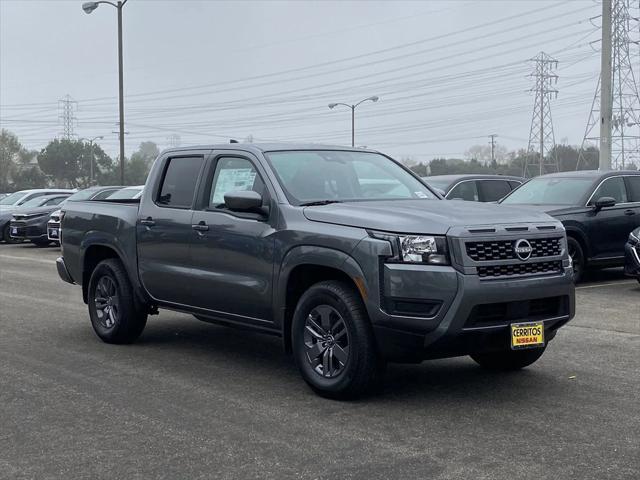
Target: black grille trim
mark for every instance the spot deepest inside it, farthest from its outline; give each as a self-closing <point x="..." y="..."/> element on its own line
<point x="492" y="250"/>
<point x="520" y="269"/>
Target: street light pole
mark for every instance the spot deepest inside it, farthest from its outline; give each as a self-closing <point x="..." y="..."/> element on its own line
<point x="89" y="7"/>
<point x="92" y="158"/>
<point x="353" y="114"/>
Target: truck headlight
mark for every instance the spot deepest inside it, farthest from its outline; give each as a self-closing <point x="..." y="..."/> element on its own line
<point x="430" y="249"/>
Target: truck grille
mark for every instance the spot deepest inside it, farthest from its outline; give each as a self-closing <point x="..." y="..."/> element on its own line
<point x="504" y="249"/>
<point x="514" y="269"/>
<point x="507" y="312"/>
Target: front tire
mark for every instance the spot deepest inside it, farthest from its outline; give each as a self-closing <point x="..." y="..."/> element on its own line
<point x="577" y="257"/>
<point x="333" y="342"/>
<point x="508" y="360"/>
<point x="113" y="311"/>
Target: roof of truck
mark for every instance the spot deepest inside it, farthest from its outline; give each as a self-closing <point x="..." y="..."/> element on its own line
<point x="267" y="147"/>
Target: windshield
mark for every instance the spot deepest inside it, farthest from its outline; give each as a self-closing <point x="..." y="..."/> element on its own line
<point x="440" y="183"/>
<point x="125" y="194"/>
<point x="550" y="191"/>
<point x="85" y="194"/>
<point x="13" y="198"/>
<point x="35" y="202"/>
<point x="334" y="176"/>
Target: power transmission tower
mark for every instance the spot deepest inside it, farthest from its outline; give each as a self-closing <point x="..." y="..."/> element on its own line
<point x="67" y="107"/>
<point x="541" y="154"/>
<point x="621" y="97"/>
<point x="492" y="142"/>
<point x="174" y="140"/>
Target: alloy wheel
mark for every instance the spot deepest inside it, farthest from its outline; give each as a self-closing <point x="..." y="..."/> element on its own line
<point x="106" y="302"/>
<point x="326" y="339"/>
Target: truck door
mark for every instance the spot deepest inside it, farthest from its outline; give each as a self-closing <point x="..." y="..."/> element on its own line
<point x="232" y="252"/>
<point x="164" y="228"/>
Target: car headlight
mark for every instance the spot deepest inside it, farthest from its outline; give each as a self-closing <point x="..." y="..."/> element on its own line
<point x="429" y="249"/>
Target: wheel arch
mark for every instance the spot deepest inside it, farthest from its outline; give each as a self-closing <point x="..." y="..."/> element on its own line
<point x="303" y="267"/>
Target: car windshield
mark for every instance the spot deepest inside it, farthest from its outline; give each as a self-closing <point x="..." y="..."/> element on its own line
<point x="550" y="191"/>
<point x="85" y="194"/>
<point x="11" y="199"/>
<point x="125" y="194"/>
<point x="342" y="176"/>
<point x="35" y="202"/>
<point x="435" y="182"/>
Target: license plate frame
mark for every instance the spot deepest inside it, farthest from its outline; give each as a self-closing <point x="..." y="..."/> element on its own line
<point x="14" y="231"/>
<point x="524" y="335"/>
<point x="53" y="233"/>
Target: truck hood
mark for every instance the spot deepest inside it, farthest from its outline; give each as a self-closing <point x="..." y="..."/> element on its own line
<point x="420" y="216"/>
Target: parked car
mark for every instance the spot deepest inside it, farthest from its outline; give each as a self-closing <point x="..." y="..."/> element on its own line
<point x="474" y="188"/>
<point x="632" y="255"/>
<point x="10" y="203"/>
<point x="282" y="240"/>
<point x="127" y="193"/>
<point x="30" y="220"/>
<point x="598" y="210"/>
<point x="3" y="195"/>
<point x="52" y="224"/>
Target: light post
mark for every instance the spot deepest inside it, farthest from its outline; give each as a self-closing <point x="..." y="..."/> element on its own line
<point x="89" y="7"/>
<point x="92" y="158"/>
<point x="353" y="114"/>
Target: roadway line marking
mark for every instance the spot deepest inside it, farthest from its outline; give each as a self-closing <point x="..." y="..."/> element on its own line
<point x="39" y="260"/>
<point x="626" y="282"/>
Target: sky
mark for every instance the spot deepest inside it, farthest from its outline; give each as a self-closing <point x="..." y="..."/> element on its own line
<point x="448" y="73"/>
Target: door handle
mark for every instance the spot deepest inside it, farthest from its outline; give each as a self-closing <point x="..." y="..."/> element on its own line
<point x="629" y="212"/>
<point x="200" y="227"/>
<point x="148" y="222"/>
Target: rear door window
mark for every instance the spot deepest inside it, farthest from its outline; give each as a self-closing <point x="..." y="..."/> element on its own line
<point x="633" y="188"/>
<point x="179" y="182"/>
<point x="493" y="190"/>
<point x="464" y="191"/>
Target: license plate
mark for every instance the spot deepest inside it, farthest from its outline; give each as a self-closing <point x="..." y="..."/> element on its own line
<point x="53" y="232"/>
<point x="527" y="335"/>
<point x="14" y="231"/>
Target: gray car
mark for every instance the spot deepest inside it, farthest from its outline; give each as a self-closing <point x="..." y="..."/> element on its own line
<point x="347" y="256"/>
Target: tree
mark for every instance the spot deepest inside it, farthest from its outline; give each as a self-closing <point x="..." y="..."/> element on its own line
<point x="29" y="177"/>
<point x="137" y="168"/>
<point x="9" y="150"/>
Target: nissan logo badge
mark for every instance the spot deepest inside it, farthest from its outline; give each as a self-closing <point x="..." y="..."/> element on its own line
<point x="523" y="249"/>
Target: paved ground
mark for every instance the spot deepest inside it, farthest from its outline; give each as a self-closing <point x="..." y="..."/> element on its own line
<point x="191" y="400"/>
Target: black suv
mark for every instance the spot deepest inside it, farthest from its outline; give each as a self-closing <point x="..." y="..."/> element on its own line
<point x="598" y="210"/>
<point x="474" y="188"/>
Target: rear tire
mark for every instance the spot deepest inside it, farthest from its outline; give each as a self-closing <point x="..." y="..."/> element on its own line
<point x="333" y="342"/>
<point x="577" y="257"/>
<point x="508" y="360"/>
<point x="114" y="315"/>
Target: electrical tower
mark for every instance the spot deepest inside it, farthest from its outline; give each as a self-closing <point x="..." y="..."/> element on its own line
<point x="67" y="107"/>
<point x="625" y="98"/>
<point x="492" y="142"/>
<point x="541" y="155"/>
<point x="173" y="140"/>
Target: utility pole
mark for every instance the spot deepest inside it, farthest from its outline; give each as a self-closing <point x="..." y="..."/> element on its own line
<point x="67" y="106"/>
<point x="353" y="114"/>
<point x="541" y="136"/>
<point x="493" y="148"/>
<point x="606" y="98"/>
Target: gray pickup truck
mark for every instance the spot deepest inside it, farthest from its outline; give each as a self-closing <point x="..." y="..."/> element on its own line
<point x="343" y="253"/>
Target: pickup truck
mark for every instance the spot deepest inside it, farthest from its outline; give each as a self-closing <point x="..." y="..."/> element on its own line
<point x="344" y="253"/>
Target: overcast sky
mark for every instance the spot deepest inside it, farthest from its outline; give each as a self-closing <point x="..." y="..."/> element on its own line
<point x="448" y="73"/>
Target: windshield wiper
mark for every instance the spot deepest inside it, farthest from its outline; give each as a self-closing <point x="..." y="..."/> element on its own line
<point x="319" y="202"/>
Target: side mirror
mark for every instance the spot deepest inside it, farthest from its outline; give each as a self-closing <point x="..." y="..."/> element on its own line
<point x="243" y="200"/>
<point x="604" y="202"/>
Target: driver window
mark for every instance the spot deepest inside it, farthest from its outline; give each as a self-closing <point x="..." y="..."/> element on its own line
<point x="464" y="191"/>
<point x="233" y="174"/>
<point x="611" y="187"/>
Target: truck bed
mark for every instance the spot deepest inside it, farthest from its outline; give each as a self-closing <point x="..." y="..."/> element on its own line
<point x="109" y="223"/>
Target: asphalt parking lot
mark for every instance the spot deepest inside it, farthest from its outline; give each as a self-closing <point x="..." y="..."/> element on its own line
<point x="192" y="400"/>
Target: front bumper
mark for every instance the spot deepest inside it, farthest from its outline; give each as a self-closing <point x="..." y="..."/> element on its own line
<point x="424" y="311"/>
<point x="632" y="259"/>
<point x="25" y="230"/>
